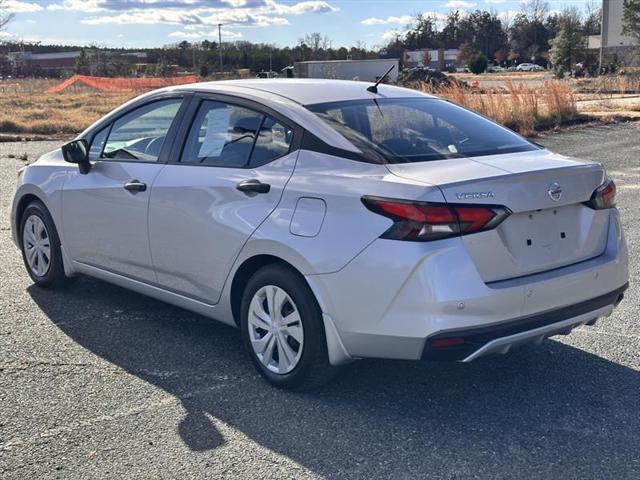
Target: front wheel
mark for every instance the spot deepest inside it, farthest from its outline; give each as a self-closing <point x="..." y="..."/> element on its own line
<point x="283" y="331"/>
<point x="41" y="247"/>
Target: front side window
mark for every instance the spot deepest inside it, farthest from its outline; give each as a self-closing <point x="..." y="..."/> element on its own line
<point x="139" y="135"/>
<point x="97" y="144"/>
<point x="417" y="130"/>
<point x="225" y="135"/>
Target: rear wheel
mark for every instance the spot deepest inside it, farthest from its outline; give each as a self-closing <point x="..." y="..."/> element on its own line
<point x="41" y="247"/>
<point x="282" y="329"/>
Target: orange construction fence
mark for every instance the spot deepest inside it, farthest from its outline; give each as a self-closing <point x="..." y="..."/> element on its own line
<point x="107" y="84"/>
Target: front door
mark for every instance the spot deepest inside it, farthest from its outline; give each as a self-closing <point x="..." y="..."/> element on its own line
<point x="104" y="213"/>
<point x="228" y="179"/>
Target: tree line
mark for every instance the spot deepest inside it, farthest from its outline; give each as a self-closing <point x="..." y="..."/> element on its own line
<point x="534" y="34"/>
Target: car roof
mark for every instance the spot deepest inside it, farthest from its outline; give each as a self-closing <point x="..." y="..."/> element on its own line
<point x="307" y="91"/>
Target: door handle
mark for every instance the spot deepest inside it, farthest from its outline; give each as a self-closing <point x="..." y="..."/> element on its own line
<point x="253" y="185"/>
<point x="135" y="186"/>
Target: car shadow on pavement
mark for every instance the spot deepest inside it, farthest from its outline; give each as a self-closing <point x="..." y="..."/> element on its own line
<point x="553" y="410"/>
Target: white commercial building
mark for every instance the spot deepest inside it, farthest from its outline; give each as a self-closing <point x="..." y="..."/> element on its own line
<point x="612" y="36"/>
<point x="363" y="70"/>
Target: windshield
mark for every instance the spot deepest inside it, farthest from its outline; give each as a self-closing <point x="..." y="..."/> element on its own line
<point x="401" y="130"/>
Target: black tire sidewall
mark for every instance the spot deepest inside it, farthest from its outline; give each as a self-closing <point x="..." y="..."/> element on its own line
<point x="314" y="349"/>
<point x="55" y="274"/>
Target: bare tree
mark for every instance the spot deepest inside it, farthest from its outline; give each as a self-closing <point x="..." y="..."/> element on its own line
<point x="316" y="42"/>
<point x="4" y="16"/>
<point x="535" y="10"/>
<point x="592" y="17"/>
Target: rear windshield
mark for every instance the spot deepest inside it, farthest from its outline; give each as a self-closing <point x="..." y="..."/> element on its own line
<point x="401" y="130"/>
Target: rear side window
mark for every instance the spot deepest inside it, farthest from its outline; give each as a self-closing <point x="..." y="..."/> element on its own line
<point x="225" y="135"/>
<point x="139" y="135"/>
<point x="418" y="130"/>
<point x="274" y="140"/>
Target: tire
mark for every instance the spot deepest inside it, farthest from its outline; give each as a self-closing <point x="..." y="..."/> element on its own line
<point x="310" y="366"/>
<point x="53" y="275"/>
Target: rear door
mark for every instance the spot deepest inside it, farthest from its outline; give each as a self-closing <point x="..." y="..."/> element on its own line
<point x="223" y="180"/>
<point x="105" y="211"/>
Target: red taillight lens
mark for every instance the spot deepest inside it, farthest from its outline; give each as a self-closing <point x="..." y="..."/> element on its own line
<point x="446" y="342"/>
<point x="425" y="221"/>
<point x="604" y="196"/>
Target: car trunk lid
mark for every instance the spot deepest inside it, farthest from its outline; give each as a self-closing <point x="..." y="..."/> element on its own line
<point x="550" y="226"/>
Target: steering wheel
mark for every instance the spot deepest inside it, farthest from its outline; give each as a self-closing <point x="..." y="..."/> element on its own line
<point x="154" y="146"/>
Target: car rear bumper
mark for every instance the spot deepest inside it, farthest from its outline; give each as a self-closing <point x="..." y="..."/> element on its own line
<point x="476" y="342"/>
<point x="395" y="297"/>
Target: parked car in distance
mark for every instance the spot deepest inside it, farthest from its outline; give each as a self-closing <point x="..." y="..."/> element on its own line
<point x="329" y="221"/>
<point x="529" y="67"/>
<point x="495" y="69"/>
<point x="271" y="74"/>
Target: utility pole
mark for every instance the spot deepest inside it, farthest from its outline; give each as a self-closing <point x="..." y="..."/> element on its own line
<point x="220" y="44"/>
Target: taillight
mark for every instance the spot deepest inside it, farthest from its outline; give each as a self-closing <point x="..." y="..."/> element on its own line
<point x="604" y="196"/>
<point x="425" y="221"/>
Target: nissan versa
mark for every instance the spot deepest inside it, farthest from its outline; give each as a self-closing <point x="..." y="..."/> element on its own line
<point x="329" y="221"/>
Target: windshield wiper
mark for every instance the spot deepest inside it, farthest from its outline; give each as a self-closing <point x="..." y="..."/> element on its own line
<point x="374" y="88"/>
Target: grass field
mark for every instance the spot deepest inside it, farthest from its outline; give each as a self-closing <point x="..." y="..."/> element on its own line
<point x="519" y="106"/>
<point x="26" y="110"/>
<point x="525" y="102"/>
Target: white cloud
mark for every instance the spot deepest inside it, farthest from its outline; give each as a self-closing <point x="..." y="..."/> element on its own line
<point x="230" y="17"/>
<point x="15" y="6"/>
<point x="5" y="35"/>
<point x="78" y="5"/>
<point x="301" y="7"/>
<point x="390" y="35"/>
<point x="149" y="17"/>
<point x="194" y="14"/>
<point x="403" y="20"/>
<point x="186" y="35"/>
<point x="206" y="34"/>
<point x="494" y="2"/>
<point x="507" y="15"/>
<point x="461" y="4"/>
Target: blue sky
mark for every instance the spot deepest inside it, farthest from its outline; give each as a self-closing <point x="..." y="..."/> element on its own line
<point x="152" y="23"/>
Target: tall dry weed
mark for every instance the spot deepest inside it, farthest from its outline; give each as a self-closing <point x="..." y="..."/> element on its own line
<point x="519" y="106"/>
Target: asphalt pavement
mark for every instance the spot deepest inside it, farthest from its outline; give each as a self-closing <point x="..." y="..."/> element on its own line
<point x="100" y="382"/>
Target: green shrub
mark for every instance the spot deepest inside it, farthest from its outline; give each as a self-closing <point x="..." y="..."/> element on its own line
<point x="477" y="63"/>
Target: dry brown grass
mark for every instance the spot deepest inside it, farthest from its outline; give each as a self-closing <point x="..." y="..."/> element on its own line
<point x="55" y="114"/>
<point x="26" y="110"/>
<point x="520" y="107"/>
<point x="607" y="86"/>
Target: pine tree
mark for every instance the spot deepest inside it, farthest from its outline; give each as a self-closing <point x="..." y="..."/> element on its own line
<point x="82" y="63"/>
<point x="569" y="44"/>
<point x="631" y="19"/>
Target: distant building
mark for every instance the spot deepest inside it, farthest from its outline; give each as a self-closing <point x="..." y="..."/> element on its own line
<point x="612" y="36"/>
<point x="436" y="59"/>
<point x="136" y="58"/>
<point x="363" y="70"/>
<point x="45" y="61"/>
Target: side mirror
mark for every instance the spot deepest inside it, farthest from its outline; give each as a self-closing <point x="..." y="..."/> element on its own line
<point x="77" y="152"/>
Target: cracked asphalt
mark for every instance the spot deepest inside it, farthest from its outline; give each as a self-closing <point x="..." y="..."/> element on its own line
<point x="100" y="382"/>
